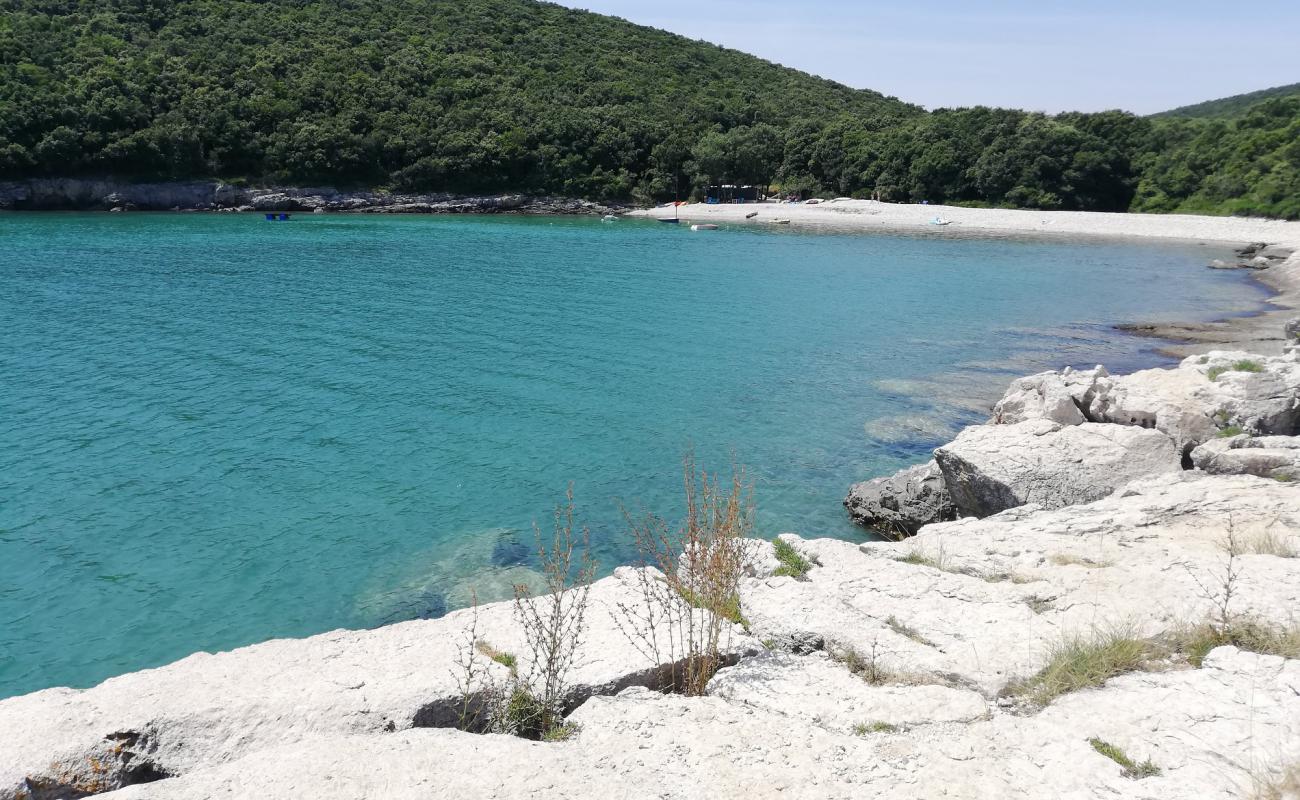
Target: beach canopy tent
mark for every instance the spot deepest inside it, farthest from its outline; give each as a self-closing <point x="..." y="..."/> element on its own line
<point x="733" y="194"/>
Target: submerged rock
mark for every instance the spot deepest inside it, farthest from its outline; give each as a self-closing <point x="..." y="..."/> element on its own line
<point x="900" y="504"/>
<point x="992" y="468"/>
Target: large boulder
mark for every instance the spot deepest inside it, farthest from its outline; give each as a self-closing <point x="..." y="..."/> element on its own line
<point x="1055" y="396"/>
<point x="900" y="504"/>
<point x="992" y="468"/>
<point x="1276" y="457"/>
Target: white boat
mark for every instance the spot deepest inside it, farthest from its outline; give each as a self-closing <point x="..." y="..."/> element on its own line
<point x="780" y="222"/>
<point x="609" y="218"/>
<point x="940" y="221"/>
<point x="704" y="227"/>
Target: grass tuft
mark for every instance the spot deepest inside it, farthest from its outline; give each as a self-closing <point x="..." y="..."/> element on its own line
<point x="1008" y="577"/>
<point x="1254" y="636"/>
<point x="908" y="631"/>
<point x="728" y="608"/>
<point x="868" y="728"/>
<point x="561" y="733"/>
<point x="1266" y="543"/>
<point x="866" y="666"/>
<point x="503" y="658"/>
<point x="1245" y="365"/>
<point x="1069" y="559"/>
<point x="1083" y="663"/>
<point x="1231" y="431"/>
<point x="1132" y="769"/>
<point x="793" y="564"/>
<point x="917" y="558"/>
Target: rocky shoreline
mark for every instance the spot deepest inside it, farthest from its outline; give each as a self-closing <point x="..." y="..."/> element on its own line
<point x="1089" y="505"/>
<point x="78" y="194"/>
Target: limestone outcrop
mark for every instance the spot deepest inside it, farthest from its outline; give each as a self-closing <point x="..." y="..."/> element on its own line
<point x="992" y="468"/>
<point x="1276" y="457"/>
<point x="1060" y="397"/>
<point x="1206" y="394"/>
<point x="900" y="504"/>
<point x="209" y="709"/>
<point x="1213" y="733"/>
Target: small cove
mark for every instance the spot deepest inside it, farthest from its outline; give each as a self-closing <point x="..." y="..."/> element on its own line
<point x="218" y="430"/>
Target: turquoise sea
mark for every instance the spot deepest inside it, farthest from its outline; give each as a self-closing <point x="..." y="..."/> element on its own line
<point x="216" y="430"/>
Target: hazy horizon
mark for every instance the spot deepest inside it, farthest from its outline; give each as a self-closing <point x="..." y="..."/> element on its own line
<point x="1050" y="57"/>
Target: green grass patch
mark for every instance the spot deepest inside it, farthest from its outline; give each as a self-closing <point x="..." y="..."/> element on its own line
<point x="503" y="658"/>
<point x="1245" y="365"/>
<point x="793" y="564"/>
<point x="1231" y="431"/>
<point x="868" y="728"/>
<point x="1196" y="641"/>
<point x="1132" y="769"/>
<point x="561" y="733"/>
<point x="728" y="610"/>
<point x="1083" y="663"/>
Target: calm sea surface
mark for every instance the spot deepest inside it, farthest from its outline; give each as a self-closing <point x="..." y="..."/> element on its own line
<point x="215" y="430"/>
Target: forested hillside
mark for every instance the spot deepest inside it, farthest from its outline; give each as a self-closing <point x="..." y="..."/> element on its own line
<point x="463" y="95"/>
<point x="1228" y="107"/>
<point x="514" y="95"/>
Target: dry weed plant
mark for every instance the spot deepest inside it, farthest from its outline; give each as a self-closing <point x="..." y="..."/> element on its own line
<point x="689" y="580"/>
<point x="532" y="705"/>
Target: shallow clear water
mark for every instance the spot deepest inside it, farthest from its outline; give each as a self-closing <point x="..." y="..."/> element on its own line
<point x="216" y="430"/>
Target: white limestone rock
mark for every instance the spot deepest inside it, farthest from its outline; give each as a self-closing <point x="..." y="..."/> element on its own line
<point x="987" y="599"/>
<point x="814" y="690"/>
<point x="210" y="709"/>
<point x="1190" y="408"/>
<point x="991" y="468"/>
<point x="1276" y="457"/>
<point x="1206" y="729"/>
<point x="1055" y="396"/>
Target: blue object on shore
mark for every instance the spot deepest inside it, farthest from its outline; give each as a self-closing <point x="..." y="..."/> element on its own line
<point x="277" y="217"/>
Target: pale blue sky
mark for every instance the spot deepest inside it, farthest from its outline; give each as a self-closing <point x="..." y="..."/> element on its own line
<point x="1141" y="55"/>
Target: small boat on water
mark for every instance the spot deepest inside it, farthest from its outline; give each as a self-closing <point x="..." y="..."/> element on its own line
<point x="277" y="217"/>
<point x="780" y="222"/>
<point x="609" y="218"/>
<point x="751" y="215"/>
<point x="670" y="221"/>
<point x="705" y="227"/>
